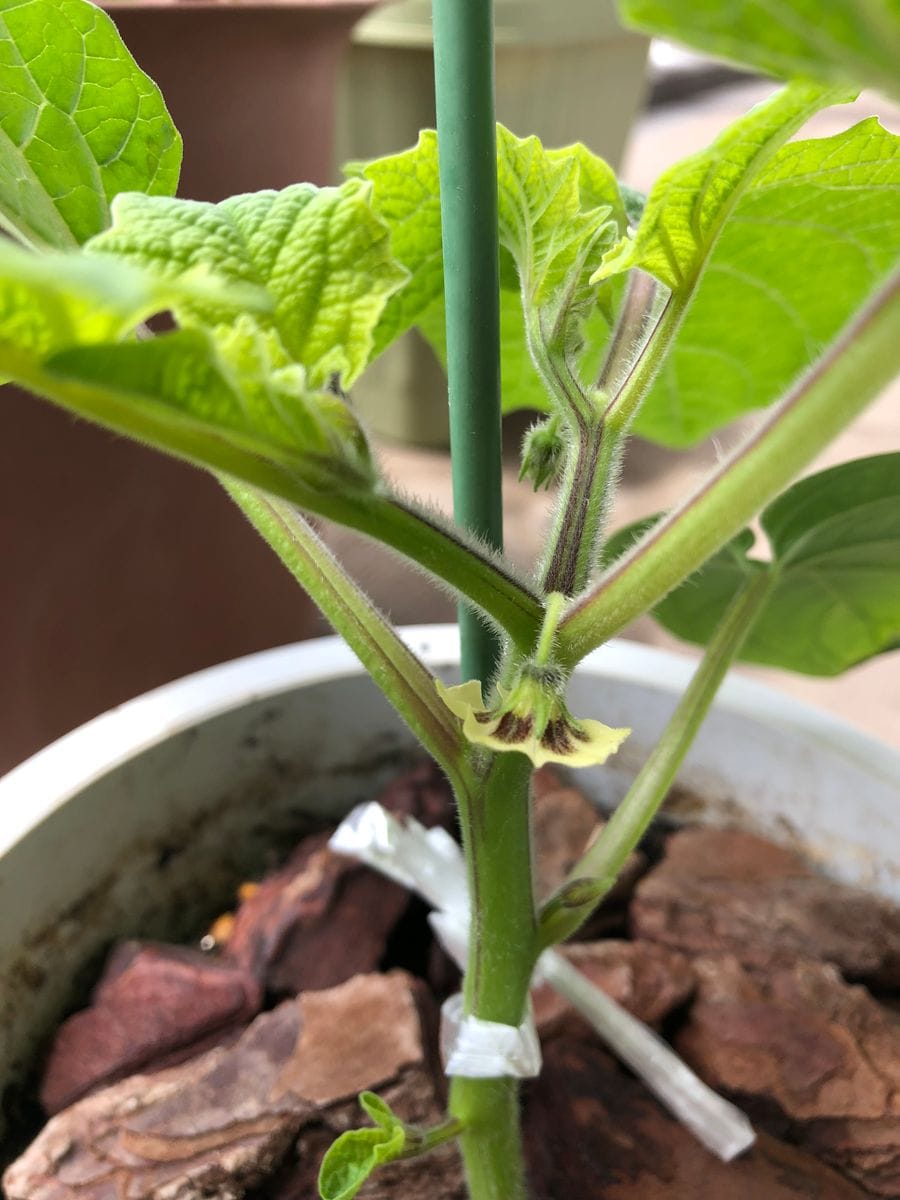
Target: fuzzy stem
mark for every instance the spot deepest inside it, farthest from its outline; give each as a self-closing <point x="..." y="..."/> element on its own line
<point x="848" y="377"/>
<point x="502" y="950"/>
<point x="405" y="681"/>
<point x="464" y="91"/>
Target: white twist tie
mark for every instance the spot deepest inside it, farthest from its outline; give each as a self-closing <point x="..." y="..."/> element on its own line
<point x="429" y="861"/>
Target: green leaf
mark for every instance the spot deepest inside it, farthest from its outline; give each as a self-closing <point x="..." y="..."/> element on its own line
<point x="846" y="41"/>
<point x="231" y="402"/>
<point x="804" y="247"/>
<point x="690" y="202"/>
<point x="321" y="254"/>
<point x="406" y="195"/>
<point x="79" y="123"/>
<point x="51" y="301"/>
<point x="556" y="209"/>
<point x="352" y="1158"/>
<point x="835" y="567"/>
<point x="553" y="235"/>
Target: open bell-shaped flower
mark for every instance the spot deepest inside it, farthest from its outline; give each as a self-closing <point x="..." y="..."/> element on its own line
<point x="532" y="718"/>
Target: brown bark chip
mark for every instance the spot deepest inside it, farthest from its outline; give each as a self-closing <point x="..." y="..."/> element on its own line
<point x="811" y="1047"/>
<point x="593" y="1132"/>
<point x="323" y="918"/>
<point x="647" y="979"/>
<point x="565" y="823"/>
<point x="219" y="1124"/>
<point x="728" y="892"/>
<point x="316" y="922"/>
<point x="152" y="1004"/>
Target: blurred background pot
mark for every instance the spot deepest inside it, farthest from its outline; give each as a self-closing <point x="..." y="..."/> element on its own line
<point x="143" y="821"/>
<point x="121" y="569"/>
<point x="565" y="70"/>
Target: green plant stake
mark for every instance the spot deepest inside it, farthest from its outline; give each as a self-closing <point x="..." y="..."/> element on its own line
<point x="464" y="93"/>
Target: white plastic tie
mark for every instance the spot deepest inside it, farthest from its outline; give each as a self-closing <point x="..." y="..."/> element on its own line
<point x="429" y="861"/>
<point x="478" y="1049"/>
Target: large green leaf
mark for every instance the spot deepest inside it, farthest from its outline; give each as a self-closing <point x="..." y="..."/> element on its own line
<point x="228" y="401"/>
<point x="851" y="41"/>
<point x="49" y="302"/>
<point x="803" y="248"/>
<point x="321" y="254"/>
<point x="691" y="201"/>
<point x="835" y="571"/>
<point x="79" y="122"/>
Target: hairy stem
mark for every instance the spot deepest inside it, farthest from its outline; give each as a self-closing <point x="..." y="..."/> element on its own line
<point x="502" y="949"/>
<point x="405" y="681"/>
<point x="581" y="509"/>
<point x="850" y="374"/>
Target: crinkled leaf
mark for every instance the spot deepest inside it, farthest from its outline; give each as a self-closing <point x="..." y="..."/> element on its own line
<point x="803" y="248"/>
<point x="232" y="402"/>
<point x="79" y="122"/>
<point x="855" y="41"/>
<point x="555" y="214"/>
<point x="322" y="255"/>
<point x="352" y="1158"/>
<point x="556" y="207"/>
<point x="690" y="202"/>
<point x="406" y="194"/>
<point x="52" y="301"/>
<point x="835" y="596"/>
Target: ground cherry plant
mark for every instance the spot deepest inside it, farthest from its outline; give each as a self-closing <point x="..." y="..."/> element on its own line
<point x="759" y="274"/>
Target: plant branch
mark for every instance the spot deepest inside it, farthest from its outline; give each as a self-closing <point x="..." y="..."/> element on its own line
<point x="851" y="373"/>
<point x="404" y="680"/>
<point x="601" y="865"/>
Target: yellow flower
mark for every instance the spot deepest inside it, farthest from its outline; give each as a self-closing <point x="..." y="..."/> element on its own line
<point x="531" y="718"/>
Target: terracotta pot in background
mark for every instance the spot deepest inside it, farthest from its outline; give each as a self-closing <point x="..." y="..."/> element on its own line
<point x="121" y="569"/>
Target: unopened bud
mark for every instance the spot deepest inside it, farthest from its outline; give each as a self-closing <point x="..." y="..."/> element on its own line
<point x="543" y="448"/>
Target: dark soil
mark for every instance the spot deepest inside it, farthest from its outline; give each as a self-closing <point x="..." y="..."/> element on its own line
<point x="224" y="1072"/>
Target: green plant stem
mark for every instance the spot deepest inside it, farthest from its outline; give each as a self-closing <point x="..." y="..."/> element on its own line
<point x="405" y="681"/>
<point x="603" y="861"/>
<point x="472" y="570"/>
<point x="464" y="90"/>
<point x="850" y="374"/>
<point x="654" y="345"/>
<point x="502" y="950"/>
<point x="581" y="509"/>
<point x="425" y="538"/>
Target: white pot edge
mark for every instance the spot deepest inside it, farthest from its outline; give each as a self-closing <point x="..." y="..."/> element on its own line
<point x="47" y="780"/>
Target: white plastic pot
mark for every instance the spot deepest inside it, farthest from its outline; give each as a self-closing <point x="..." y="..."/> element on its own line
<point x="142" y="821"/>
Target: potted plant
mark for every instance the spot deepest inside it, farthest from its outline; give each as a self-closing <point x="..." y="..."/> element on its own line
<point x="282" y="298"/>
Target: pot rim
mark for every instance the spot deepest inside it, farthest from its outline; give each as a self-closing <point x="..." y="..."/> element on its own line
<point x="50" y="778"/>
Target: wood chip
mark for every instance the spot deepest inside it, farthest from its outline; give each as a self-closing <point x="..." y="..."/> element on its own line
<point x="153" y="1006"/>
<point x="565" y="822"/>
<point x="819" y="1053"/>
<point x="223" y="1123"/>
<point x="593" y="1132"/>
<point x="728" y="892"/>
<point x="316" y="922"/>
<point x="647" y="979"/>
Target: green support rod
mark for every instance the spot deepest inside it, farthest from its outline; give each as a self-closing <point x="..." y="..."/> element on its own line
<point x="464" y="92"/>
